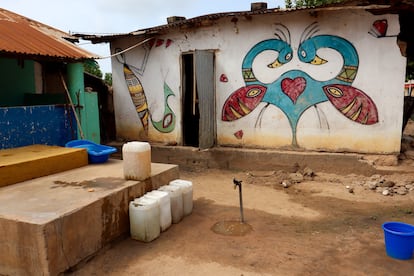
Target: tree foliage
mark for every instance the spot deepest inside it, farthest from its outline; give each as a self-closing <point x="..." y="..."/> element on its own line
<point x="108" y="79"/>
<point x="91" y="66"/>
<point x="308" y="3"/>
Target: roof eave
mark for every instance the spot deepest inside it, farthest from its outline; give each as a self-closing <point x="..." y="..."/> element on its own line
<point x="204" y="19"/>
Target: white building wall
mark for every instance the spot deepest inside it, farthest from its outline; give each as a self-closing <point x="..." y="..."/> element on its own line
<point x="380" y="77"/>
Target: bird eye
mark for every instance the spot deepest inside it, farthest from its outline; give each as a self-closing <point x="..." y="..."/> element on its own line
<point x="303" y="53"/>
<point x="288" y="56"/>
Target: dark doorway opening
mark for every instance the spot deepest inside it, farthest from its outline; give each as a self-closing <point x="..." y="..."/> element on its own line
<point x="191" y="112"/>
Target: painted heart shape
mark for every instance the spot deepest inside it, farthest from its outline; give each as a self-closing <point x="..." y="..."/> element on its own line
<point x="379" y="27"/>
<point x="293" y="88"/>
<point x="223" y="78"/>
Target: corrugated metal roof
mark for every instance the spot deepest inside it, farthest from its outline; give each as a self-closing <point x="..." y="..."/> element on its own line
<point x="205" y="20"/>
<point x="21" y="36"/>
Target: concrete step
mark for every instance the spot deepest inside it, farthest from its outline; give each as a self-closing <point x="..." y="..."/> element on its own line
<point x="52" y="223"/>
<point x="24" y="163"/>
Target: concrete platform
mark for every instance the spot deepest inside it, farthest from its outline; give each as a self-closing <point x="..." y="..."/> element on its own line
<point x="24" y="163"/>
<point x="52" y="223"/>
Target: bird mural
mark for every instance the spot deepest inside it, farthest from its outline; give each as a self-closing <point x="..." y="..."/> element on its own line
<point x="137" y="93"/>
<point x="295" y="91"/>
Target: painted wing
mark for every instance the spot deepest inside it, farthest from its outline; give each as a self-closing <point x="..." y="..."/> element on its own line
<point x="242" y="101"/>
<point x="352" y="103"/>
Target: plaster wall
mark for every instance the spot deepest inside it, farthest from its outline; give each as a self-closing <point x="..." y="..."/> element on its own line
<point x="374" y="90"/>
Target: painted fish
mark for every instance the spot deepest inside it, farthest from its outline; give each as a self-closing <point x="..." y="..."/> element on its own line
<point x="137" y="94"/>
<point x="242" y="101"/>
<point x="352" y="103"/>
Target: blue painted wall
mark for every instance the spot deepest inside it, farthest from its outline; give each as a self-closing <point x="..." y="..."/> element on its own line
<point x="28" y="125"/>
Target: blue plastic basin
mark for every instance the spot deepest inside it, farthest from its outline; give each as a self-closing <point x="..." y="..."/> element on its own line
<point x="96" y="153"/>
<point x="399" y="240"/>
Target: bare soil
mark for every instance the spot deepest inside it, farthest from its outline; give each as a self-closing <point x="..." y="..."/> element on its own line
<point x="315" y="227"/>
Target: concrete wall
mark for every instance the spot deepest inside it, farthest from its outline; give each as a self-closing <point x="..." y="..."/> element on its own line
<point x="352" y="101"/>
<point x="28" y="125"/>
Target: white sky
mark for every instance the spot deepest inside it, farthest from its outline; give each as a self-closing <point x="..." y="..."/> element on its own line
<point x="119" y="16"/>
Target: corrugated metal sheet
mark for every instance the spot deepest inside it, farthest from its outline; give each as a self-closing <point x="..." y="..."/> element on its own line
<point x="206" y="20"/>
<point x="22" y="36"/>
<point x="204" y="71"/>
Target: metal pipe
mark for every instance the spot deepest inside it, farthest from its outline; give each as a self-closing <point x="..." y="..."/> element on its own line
<point x="239" y="183"/>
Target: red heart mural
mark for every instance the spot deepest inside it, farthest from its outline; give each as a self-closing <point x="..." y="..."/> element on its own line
<point x="223" y="78"/>
<point x="379" y="27"/>
<point x="293" y="88"/>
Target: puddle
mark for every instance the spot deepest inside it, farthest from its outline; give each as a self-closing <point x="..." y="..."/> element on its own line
<point x="231" y="228"/>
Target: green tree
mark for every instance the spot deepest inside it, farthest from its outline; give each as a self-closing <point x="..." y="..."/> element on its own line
<point x="308" y="3"/>
<point x="108" y="79"/>
<point x="91" y="66"/>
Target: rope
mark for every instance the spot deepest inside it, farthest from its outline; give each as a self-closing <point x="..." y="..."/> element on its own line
<point x="127" y="49"/>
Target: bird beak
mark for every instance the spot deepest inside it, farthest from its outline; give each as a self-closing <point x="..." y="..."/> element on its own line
<point x="318" y="61"/>
<point x="274" y="64"/>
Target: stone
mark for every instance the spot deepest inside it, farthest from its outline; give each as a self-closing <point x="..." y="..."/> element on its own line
<point x="385" y="192"/>
<point x="372" y="185"/>
<point x="386" y="183"/>
<point x="296" y="177"/>
<point x="377" y="177"/>
<point x="350" y="189"/>
<point x="401" y="191"/>
<point x="286" y="183"/>
<point x="308" y="172"/>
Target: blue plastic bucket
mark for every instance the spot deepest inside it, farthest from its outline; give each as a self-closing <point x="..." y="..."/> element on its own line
<point x="399" y="240"/>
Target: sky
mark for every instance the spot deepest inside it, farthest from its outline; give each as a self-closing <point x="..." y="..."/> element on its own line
<point x="119" y="16"/>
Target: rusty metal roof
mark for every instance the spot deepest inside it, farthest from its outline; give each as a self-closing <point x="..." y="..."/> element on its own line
<point x="21" y="36"/>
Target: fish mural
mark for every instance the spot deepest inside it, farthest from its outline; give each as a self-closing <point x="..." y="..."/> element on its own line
<point x="137" y="92"/>
<point x="295" y="91"/>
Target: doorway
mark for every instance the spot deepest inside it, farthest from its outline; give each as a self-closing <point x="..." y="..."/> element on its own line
<point x="199" y="123"/>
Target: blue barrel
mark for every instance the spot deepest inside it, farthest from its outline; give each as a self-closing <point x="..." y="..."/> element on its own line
<point x="399" y="240"/>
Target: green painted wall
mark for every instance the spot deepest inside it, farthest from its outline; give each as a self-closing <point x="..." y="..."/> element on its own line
<point x="88" y="114"/>
<point x="16" y="79"/>
<point x="92" y="129"/>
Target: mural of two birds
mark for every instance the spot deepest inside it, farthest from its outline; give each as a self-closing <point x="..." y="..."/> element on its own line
<point x="295" y="91"/>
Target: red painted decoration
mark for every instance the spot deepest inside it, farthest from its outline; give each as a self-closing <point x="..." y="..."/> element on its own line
<point x="242" y="101"/>
<point x="168" y="43"/>
<point x="353" y="103"/>
<point x="379" y="28"/>
<point x="239" y="134"/>
<point x="159" y="42"/>
<point x="223" y="78"/>
<point x="293" y="88"/>
<point x="151" y="42"/>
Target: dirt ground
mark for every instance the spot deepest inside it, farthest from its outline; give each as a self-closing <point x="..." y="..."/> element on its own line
<point x="316" y="227"/>
<point x="327" y="224"/>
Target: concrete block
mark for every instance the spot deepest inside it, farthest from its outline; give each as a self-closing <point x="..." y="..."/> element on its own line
<point x="24" y="163"/>
<point x="52" y="223"/>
